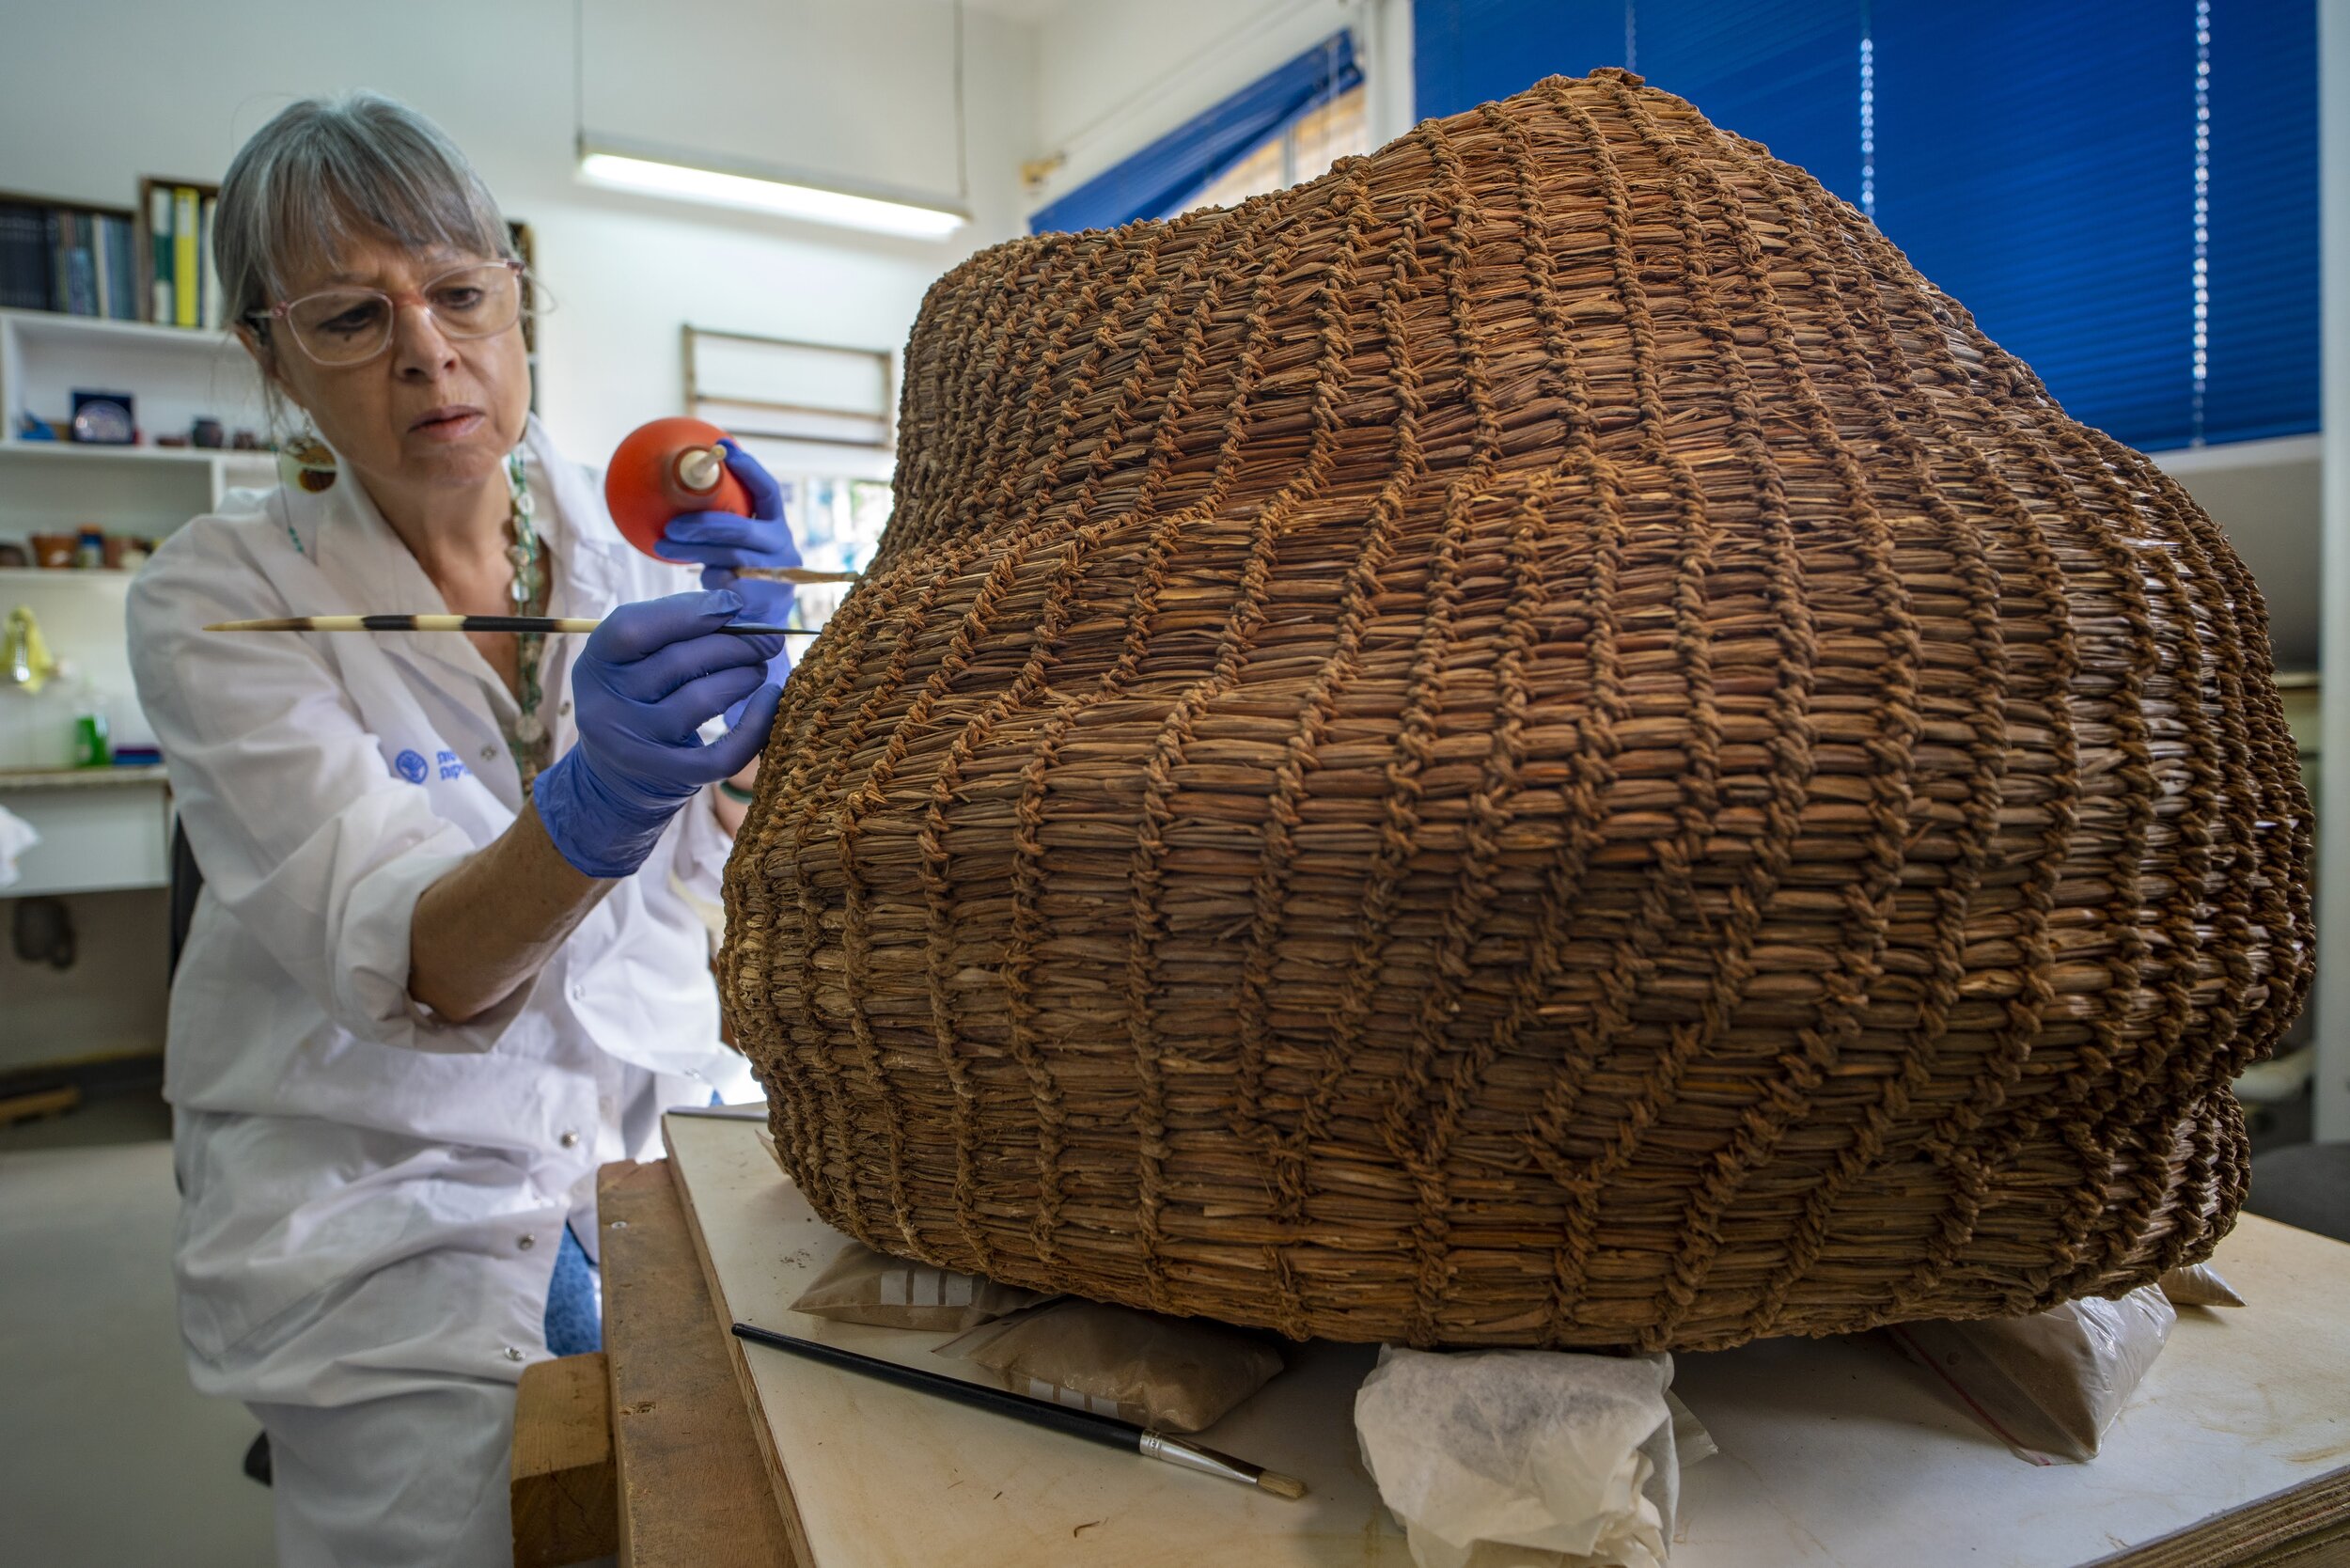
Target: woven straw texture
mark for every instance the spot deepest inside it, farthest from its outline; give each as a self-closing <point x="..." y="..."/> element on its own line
<point x="1535" y="742"/>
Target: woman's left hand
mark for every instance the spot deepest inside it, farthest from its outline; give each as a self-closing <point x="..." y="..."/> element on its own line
<point x="724" y="542"/>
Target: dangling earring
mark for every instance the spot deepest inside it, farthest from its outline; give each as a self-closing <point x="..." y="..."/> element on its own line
<point x="306" y="462"/>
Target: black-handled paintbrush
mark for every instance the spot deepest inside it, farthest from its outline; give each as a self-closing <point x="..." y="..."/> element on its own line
<point x="470" y="623"/>
<point x="1037" y="1412"/>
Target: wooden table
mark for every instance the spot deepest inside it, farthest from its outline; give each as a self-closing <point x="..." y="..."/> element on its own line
<point x="646" y="1447"/>
<point x="1836" y="1454"/>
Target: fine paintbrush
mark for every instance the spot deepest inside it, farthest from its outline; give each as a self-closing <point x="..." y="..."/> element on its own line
<point x="470" y="623"/>
<point x="1037" y="1412"/>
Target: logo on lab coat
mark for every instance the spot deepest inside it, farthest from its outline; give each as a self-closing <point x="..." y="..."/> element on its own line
<point x="411" y="766"/>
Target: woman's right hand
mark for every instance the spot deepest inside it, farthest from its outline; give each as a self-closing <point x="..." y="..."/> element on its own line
<point x="650" y="678"/>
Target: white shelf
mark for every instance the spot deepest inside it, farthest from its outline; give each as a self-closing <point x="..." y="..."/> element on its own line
<point x="112" y="776"/>
<point x="95" y="840"/>
<point x="56" y="327"/>
<point x="205" y="472"/>
<point x="173" y="376"/>
<point x="102" y="829"/>
<point x="73" y="451"/>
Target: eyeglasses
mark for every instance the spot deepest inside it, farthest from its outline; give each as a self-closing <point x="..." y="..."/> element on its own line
<point x="349" y="326"/>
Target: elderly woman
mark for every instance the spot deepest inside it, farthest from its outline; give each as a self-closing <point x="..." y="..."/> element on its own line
<point x="448" y="958"/>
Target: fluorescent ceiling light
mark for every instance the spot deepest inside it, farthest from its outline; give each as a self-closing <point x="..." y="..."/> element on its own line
<point x="813" y="203"/>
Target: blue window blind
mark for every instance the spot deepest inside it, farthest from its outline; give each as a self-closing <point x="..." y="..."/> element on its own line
<point x="1470" y="52"/>
<point x="2037" y="159"/>
<point x="1782" y="72"/>
<point x="1168" y="175"/>
<point x="1785" y="72"/>
<point x="2263" y="375"/>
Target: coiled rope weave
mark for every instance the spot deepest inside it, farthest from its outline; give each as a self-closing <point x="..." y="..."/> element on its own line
<point x="1535" y="742"/>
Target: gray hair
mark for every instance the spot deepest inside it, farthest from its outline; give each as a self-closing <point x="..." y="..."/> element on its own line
<point x="327" y="172"/>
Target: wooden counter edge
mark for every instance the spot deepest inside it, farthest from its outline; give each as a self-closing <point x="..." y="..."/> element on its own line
<point x="761" y="1428"/>
<point x="2307" y="1525"/>
<point x="692" y="1483"/>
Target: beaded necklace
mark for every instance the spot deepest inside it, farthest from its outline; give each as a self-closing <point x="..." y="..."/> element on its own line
<point x="528" y="740"/>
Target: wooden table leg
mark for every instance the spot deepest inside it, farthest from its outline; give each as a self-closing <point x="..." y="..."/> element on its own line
<point x="563" y="1482"/>
<point x="693" y="1491"/>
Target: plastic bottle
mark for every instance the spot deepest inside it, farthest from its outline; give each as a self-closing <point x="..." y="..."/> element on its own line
<point x="92" y="745"/>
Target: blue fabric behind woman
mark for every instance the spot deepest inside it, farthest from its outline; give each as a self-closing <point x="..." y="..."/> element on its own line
<point x="574" y="1319"/>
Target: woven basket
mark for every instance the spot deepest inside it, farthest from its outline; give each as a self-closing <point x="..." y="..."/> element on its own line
<point x="1535" y="742"/>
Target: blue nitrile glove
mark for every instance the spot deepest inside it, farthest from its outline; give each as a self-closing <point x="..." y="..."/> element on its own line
<point x="651" y="676"/>
<point x="724" y="543"/>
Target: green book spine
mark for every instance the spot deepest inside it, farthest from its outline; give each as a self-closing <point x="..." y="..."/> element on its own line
<point x="159" y="302"/>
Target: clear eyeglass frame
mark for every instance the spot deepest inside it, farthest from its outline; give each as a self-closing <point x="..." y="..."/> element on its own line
<point x="308" y="319"/>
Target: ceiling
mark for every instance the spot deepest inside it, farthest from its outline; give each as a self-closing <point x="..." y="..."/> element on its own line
<point x="1029" y="11"/>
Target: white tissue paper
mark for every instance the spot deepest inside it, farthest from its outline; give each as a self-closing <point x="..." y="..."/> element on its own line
<point x="16" y="837"/>
<point x="1519" y="1458"/>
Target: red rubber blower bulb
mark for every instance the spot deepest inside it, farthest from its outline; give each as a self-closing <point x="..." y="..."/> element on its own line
<point x="665" y="470"/>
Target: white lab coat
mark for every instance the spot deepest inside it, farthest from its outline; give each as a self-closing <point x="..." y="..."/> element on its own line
<point x="373" y="1198"/>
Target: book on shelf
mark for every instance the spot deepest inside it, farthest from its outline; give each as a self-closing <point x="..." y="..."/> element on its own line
<point x="102" y="266"/>
<point x="151" y="263"/>
<point x="182" y="287"/>
<point x="24" y="255"/>
<point x="208" y="289"/>
<point x="158" y="204"/>
<point x="67" y="257"/>
<point x="121" y="231"/>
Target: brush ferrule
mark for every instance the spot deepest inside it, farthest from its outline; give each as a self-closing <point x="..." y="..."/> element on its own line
<point x="1158" y="1445"/>
<point x="699" y="468"/>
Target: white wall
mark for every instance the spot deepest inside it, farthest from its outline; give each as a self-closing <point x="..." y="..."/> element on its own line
<point x="93" y="95"/>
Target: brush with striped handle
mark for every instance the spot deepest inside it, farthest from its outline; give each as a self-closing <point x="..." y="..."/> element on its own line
<point x="524" y="622"/>
<point x="470" y="623"/>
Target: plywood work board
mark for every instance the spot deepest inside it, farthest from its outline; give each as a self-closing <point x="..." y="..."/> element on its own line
<point x="1835" y="1454"/>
